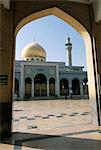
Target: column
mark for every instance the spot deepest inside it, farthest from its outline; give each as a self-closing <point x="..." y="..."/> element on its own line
<point x="47" y="87"/>
<point x="70" y="87"/>
<point x="32" y="88"/>
<point x="22" y="83"/>
<point x="81" y="89"/>
<point x="57" y="84"/>
<point x="6" y="71"/>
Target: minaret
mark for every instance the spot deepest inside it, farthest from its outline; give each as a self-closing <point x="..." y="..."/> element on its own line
<point x="69" y="51"/>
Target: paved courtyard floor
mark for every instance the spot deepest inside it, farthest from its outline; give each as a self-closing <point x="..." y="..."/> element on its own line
<point x="53" y="124"/>
<point x="43" y="115"/>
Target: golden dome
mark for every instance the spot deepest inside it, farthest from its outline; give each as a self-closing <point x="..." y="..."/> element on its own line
<point x="33" y="50"/>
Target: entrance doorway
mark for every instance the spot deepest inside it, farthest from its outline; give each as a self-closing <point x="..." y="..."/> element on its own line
<point x="40" y="85"/>
<point x="64" y="87"/>
<point x="76" y="86"/>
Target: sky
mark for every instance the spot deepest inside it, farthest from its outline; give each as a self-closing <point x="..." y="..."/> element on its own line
<point x="52" y="33"/>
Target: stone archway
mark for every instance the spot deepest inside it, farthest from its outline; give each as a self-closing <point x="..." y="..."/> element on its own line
<point x="88" y="47"/>
<point x="8" y="45"/>
<point x="77" y="26"/>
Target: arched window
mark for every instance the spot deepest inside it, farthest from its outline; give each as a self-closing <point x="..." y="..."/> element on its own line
<point x="85" y="86"/>
<point x="64" y="87"/>
<point x="40" y="85"/>
<point x="17" y="87"/>
<point x="28" y="87"/>
<point x="75" y="87"/>
<point x="52" y="87"/>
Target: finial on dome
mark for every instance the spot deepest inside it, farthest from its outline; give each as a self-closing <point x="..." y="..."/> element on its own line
<point x="68" y="40"/>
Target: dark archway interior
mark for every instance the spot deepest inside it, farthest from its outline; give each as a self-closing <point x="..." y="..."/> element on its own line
<point x="75" y="87"/>
<point x="17" y="87"/>
<point x="52" y="87"/>
<point x="64" y="89"/>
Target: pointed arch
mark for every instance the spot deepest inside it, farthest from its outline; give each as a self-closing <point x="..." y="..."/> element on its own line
<point x="40" y="85"/>
<point x="77" y="26"/>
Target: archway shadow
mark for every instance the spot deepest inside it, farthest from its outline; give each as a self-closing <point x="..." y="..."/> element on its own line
<point x="52" y="142"/>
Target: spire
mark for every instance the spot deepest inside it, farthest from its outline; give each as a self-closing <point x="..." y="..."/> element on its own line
<point x="69" y="51"/>
<point x="68" y="40"/>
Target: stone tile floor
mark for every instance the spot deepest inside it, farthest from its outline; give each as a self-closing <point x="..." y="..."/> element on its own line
<point x="42" y="115"/>
<point x="53" y="124"/>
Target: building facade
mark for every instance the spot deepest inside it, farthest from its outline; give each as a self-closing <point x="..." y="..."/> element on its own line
<point x="36" y="78"/>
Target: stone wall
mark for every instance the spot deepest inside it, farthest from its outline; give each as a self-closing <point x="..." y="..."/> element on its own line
<point x="81" y="12"/>
<point x="6" y="70"/>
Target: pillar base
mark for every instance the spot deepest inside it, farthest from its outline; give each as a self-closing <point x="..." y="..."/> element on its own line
<point x="5" y="120"/>
<point x="94" y="115"/>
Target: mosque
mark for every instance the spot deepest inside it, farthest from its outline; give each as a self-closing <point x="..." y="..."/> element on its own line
<point x="36" y="78"/>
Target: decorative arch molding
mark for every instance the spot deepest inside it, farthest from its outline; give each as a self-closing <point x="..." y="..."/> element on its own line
<point x="77" y="26"/>
<point x="52" y="11"/>
<point x="28" y="77"/>
<point x="41" y="76"/>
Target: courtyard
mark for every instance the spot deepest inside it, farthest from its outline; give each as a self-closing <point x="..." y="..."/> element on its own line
<point x="54" y="125"/>
<point x="46" y="115"/>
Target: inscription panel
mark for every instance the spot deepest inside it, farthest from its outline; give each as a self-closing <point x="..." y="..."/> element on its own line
<point x="3" y="79"/>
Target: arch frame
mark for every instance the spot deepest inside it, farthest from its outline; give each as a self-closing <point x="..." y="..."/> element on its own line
<point x="77" y="26"/>
<point x="88" y="46"/>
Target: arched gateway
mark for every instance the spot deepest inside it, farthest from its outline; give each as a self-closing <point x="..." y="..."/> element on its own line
<point x="12" y="21"/>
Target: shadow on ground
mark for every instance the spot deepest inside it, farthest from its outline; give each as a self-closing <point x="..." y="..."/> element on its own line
<point x="51" y="142"/>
